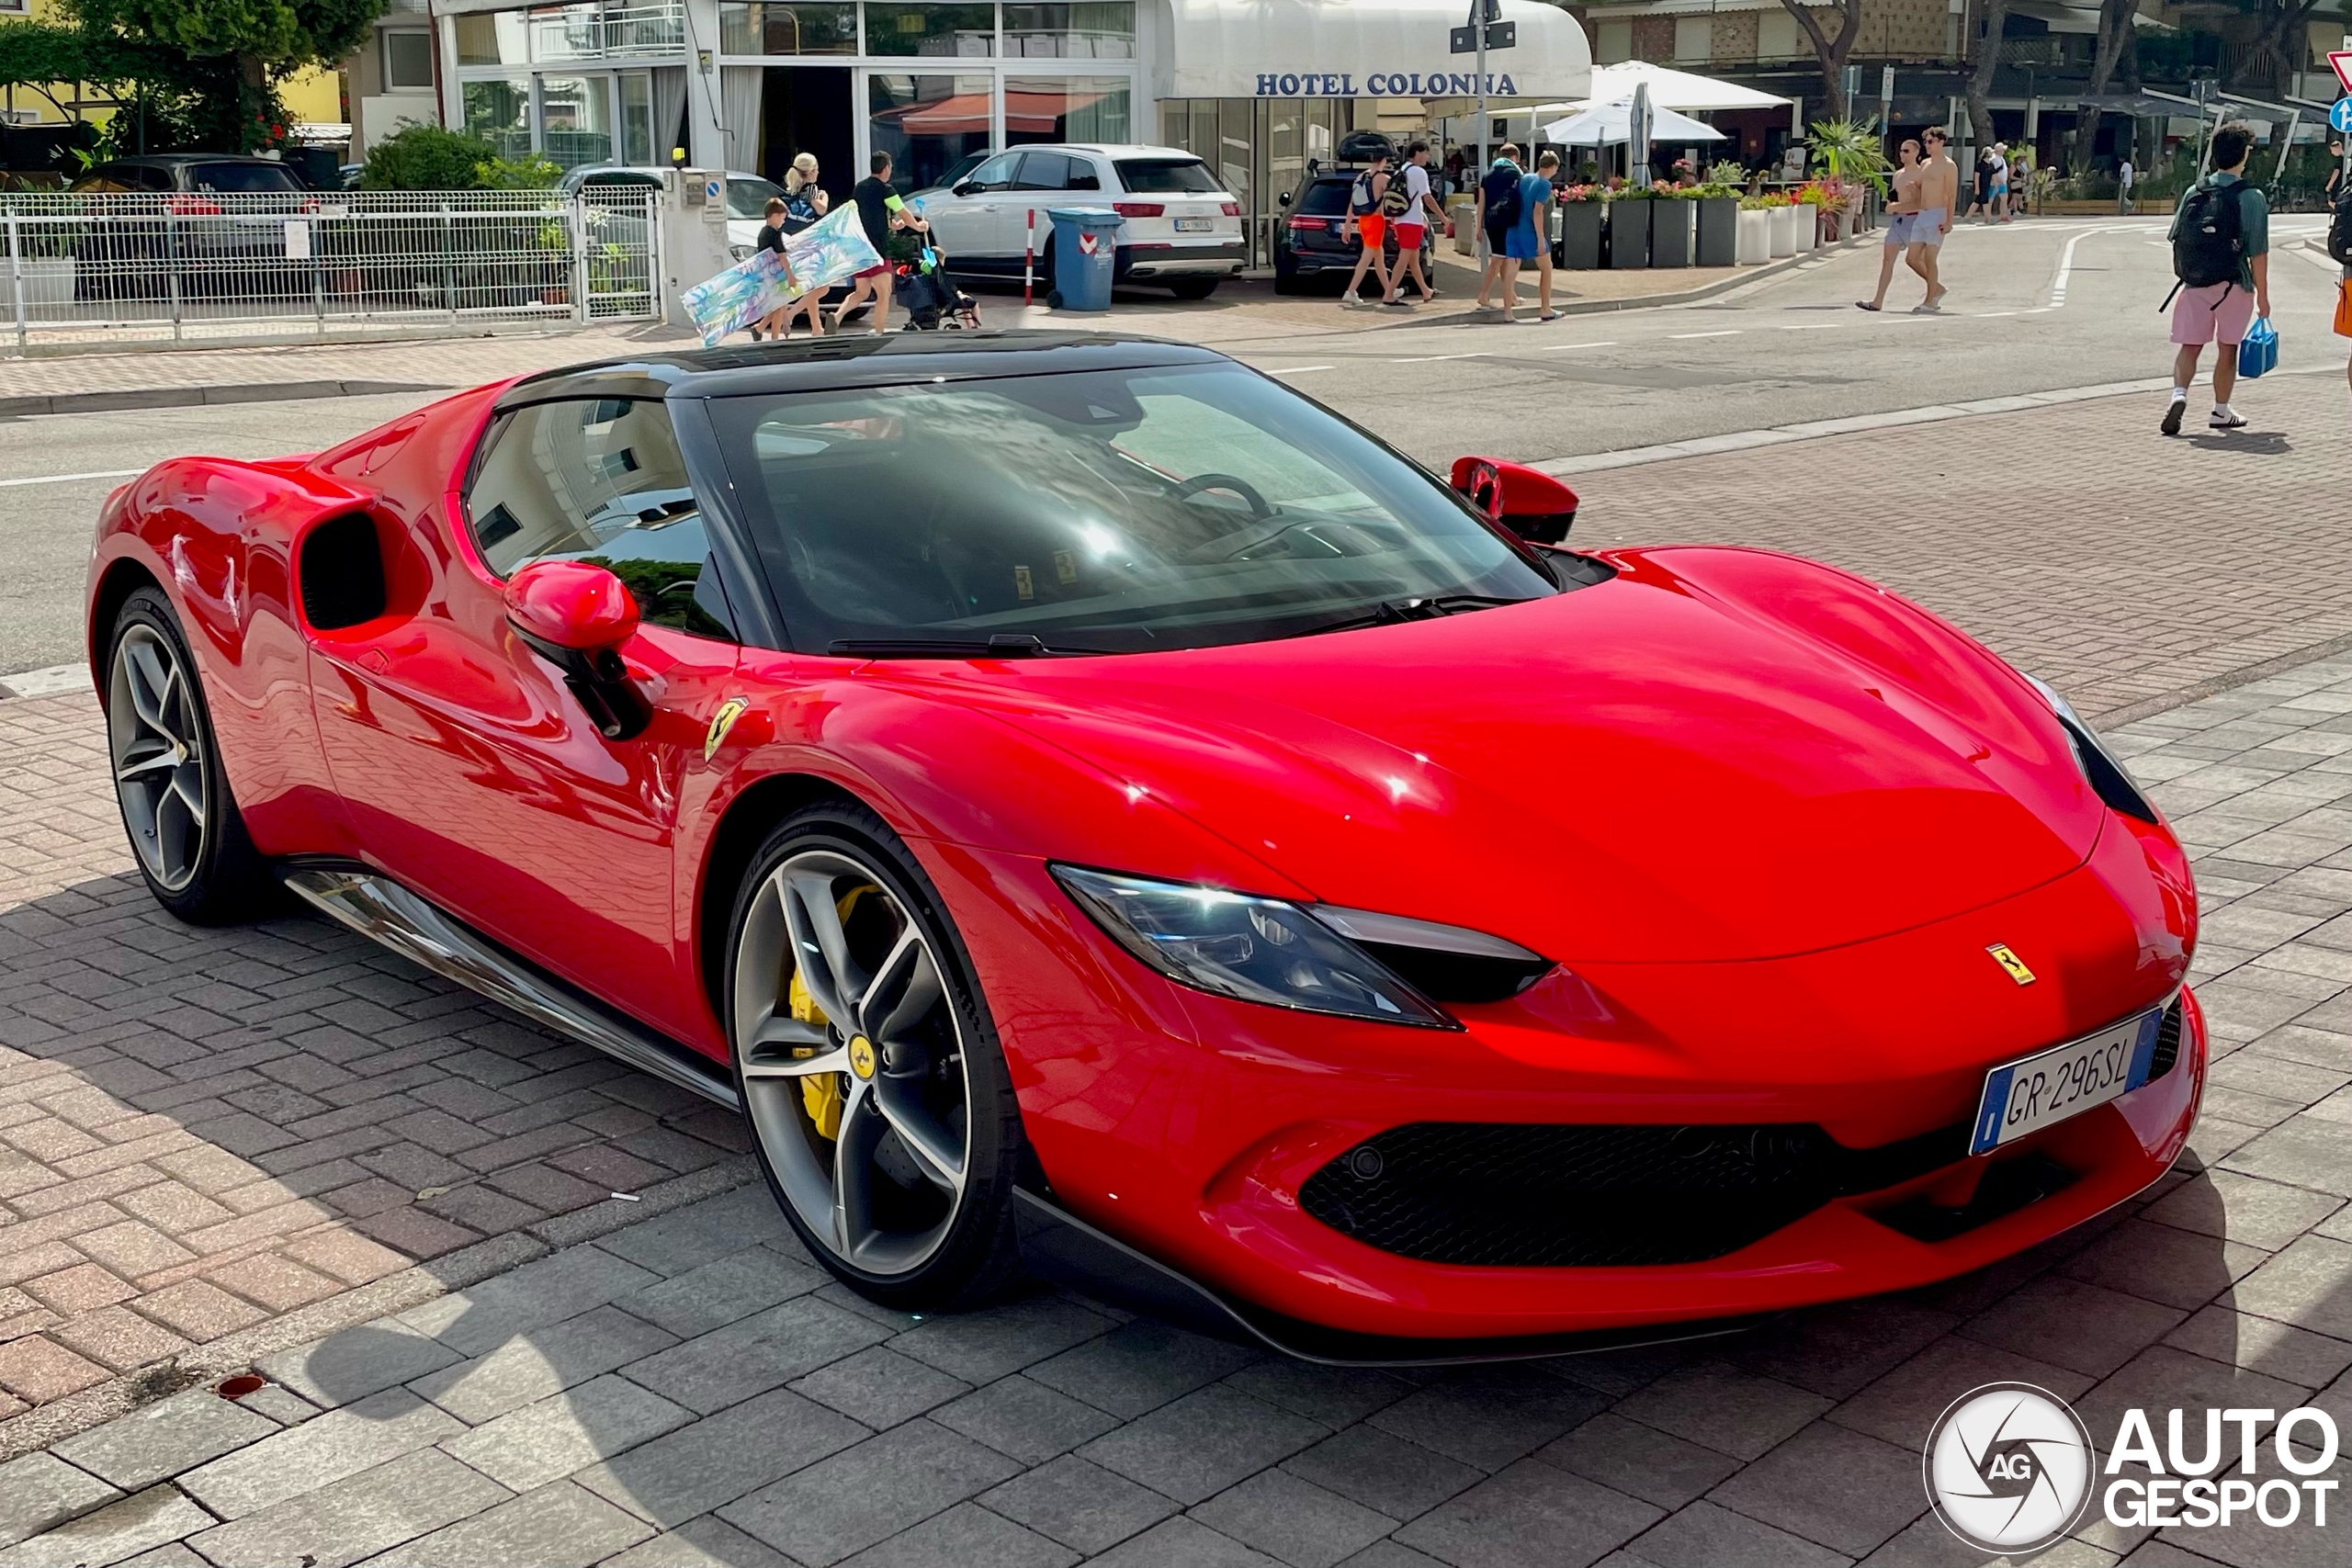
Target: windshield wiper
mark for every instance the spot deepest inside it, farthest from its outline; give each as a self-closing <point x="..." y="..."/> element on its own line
<point x="999" y="645"/>
<point x="1395" y="611"/>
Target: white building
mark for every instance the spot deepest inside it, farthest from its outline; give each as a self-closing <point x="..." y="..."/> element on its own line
<point x="1257" y="87"/>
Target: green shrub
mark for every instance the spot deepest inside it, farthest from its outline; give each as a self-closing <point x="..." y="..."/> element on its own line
<point x="425" y="157"/>
<point x="518" y="174"/>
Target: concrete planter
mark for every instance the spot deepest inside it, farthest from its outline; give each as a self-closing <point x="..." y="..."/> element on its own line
<point x="1629" y="234"/>
<point x="1754" y="245"/>
<point x="1718" y="231"/>
<point x="1784" y="231"/>
<point x="1808" y="227"/>
<point x="1580" y="234"/>
<point x="1673" y="225"/>
<point x="48" y="280"/>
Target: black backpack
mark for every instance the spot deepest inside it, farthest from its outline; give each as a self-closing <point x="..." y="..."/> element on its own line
<point x="1502" y="212"/>
<point x="2209" y="239"/>
<point x="2339" y="227"/>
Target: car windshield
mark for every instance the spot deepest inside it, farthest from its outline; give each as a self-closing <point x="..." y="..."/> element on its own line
<point x="1111" y="511"/>
<point x="242" y="178"/>
<point x="1324" y="199"/>
<point x="1167" y="177"/>
<point x="748" y="194"/>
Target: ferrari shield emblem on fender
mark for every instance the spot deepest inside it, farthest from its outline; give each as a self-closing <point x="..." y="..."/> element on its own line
<point x="721" y="722"/>
<point x="2012" y="963"/>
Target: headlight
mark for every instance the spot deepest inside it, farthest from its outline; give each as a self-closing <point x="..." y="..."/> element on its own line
<point x="740" y="253"/>
<point x="2107" y="778"/>
<point x="1309" y="958"/>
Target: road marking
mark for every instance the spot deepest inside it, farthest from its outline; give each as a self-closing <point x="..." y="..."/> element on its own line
<point x="1988" y="315"/>
<point x="2066" y="264"/>
<point x="1727" y="331"/>
<point x="69" y="479"/>
<point x="1301" y="370"/>
<point x="1811" y="326"/>
<point x="1433" y="358"/>
<point x="1560" y="348"/>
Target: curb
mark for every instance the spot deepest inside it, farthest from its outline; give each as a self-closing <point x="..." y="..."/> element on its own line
<point x="202" y="396"/>
<point x="1764" y="274"/>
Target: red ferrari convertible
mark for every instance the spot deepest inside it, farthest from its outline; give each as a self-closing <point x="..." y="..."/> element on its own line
<point x="1084" y="800"/>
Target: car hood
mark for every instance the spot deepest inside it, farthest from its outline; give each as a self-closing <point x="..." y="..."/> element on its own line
<point x="1720" y="754"/>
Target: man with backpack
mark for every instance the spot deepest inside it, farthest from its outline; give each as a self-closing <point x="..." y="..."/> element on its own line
<point x="1410" y="206"/>
<point x="1368" y="219"/>
<point x="2221" y="254"/>
<point x="1498" y="210"/>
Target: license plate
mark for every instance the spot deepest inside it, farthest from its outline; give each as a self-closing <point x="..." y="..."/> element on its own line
<point x="2027" y="1095"/>
<point x="1193" y="225"/>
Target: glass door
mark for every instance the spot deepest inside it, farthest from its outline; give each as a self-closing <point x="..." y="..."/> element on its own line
<point x="637" y="117"/>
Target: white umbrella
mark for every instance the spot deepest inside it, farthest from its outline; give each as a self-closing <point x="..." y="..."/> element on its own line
<point x="1672" y="89"/>
<point x="1605" y="125"/>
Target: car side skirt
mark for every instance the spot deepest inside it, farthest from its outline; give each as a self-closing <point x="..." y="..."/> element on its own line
<point x="384" y="911"/>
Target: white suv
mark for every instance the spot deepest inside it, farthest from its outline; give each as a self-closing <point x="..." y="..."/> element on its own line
<point x="1183" y="229"/>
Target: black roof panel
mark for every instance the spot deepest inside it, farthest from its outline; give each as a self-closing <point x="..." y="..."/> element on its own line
<point x="852" y="360"/>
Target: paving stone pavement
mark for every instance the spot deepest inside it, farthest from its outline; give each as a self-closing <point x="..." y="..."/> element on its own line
<point x="275" y="1146"/>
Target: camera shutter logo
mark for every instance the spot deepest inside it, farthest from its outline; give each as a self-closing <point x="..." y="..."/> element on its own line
<point x="2009" y="1468"/>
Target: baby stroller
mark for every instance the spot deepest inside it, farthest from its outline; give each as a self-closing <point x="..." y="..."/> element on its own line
<point x="932" y="300"/>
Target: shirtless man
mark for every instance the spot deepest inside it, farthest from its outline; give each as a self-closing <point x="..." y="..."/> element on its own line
<point x="1938" y="197"/>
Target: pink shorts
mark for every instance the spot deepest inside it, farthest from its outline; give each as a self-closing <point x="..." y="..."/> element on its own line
<point x="2219" y="312"/>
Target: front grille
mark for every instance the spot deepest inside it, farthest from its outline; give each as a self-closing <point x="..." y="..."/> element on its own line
<point x="2167" y="1051"/>
<point x="1502" y="1195"/>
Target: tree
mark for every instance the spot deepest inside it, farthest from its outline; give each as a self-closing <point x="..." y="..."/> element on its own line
<point x="1980" y="77"/>
<point x="2280" y="27"/>
<point x="1831" y="51"/>
<point x="2118" y="26"/>
<point x="233" y="49"/>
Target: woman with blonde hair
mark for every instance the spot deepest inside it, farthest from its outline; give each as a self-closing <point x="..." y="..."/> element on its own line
<point x="804" y="200"/>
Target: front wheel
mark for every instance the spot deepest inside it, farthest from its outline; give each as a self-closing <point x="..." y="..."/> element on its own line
<point x="1193" y="288"/>
<point x="185" y="830"/>
<point x="878" y="1094"/>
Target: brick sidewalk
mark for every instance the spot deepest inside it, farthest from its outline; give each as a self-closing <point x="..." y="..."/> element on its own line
<point x="2130" y="571"/>
<point x="693" y="1391"/>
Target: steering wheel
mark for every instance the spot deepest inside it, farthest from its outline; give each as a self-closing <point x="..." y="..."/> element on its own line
<point x="1201" y="483"/>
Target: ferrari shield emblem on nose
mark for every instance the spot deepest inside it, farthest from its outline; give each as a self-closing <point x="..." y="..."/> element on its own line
<point x="2010" y="962"/>
<point x="720" y="723"/>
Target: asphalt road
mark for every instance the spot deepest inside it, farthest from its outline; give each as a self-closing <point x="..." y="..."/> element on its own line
<point x="2034" y="306"/>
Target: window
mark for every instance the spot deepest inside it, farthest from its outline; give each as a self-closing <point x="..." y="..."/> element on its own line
<point x="1056" y="171"/>
<point x="927" y="124"/>
<point x="1776" y="35"/>
<point x="1694" y="39"/>
<point x="1614" y="42"/>
<point x="776" y="26"/>
<point x="496" y="38"/>
<point x="1103" y="30"/>
<point x="1066" y="108"/>
<point x="500" y="113"/>
<point x="576" y="119"/>
<point x="959" y="32"/>
<point x="1116" y="510"/>
<point x="1167" y="177"/>
<point x="242" y="179"/>
<point x="994" y="175"/>
<point x="598" y="480"/>
<point x="408" y="61"/>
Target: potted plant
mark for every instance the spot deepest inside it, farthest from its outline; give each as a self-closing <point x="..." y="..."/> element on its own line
<point x="1755" y="231"/>
<point x="1852" y="157"/>
<point x="1718" y="223"/>
<point x="1581" y="210"/>
<point x="1673" y="225"/>
<point x="1783" y="212"/>
<point x="1629" y="227"/>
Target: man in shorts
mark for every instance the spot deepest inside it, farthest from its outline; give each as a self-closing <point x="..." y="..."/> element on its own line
<point x="1412" y="225"/>
<point x="880" y="209"/>
<point x="2218" y="313"/>
<point x="1497" y="190"/>
<point x="1939" y="197"/>
<point x="1369" y="226"/>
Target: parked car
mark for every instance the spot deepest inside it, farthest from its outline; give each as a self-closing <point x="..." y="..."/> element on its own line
<point x="1313" y="242"/>
<point x="1183" y="229"/>
<point x="747" y="196"/>
<point x="214" y="221"/>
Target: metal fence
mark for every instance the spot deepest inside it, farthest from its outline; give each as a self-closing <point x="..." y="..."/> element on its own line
<point x="123" y="268"/>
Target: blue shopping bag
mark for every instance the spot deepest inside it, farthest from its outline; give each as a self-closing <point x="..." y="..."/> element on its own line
<point x="2259" y="350"/>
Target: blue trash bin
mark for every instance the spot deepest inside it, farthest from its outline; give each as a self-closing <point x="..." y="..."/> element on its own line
<point x="1085" y="255"/>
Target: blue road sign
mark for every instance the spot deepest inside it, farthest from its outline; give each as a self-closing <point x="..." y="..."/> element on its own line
<point x="2340" y="117"/>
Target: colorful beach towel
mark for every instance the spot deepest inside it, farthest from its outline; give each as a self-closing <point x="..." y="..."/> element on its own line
<point x="835" y="249"/>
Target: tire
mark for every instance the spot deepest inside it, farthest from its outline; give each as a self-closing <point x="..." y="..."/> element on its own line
<point x="1288" y="283"/>
<point x="157" y="711"/>
<point x="1194" y="287"/>
<point x="874" y="1193"/>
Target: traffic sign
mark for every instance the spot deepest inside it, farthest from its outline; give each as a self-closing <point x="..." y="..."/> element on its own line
<point x="2340" y="117"/>
<point x="1499" y="35"/>
<point x="2342" y="59"/>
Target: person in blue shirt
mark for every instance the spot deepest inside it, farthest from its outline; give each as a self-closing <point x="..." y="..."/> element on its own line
<point x="1529" y="239"/>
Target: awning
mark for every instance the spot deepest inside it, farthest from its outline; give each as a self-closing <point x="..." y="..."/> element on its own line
<point x="1669" y="89"/>
<point x="1364" y="48"/>
<point x="1605" y="125"/>
<point x="963" y="114"/>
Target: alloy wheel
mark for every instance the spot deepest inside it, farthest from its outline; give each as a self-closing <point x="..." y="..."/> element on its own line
<point x="852" y="1060"/>
<point x="156" y="744"/>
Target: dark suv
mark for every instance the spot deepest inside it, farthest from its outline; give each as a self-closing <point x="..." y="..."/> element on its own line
<point x="1313" y="241"/>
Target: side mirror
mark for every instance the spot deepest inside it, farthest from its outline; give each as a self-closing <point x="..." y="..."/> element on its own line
<point x="1528" y="502"/>
<point x="968" y="187"/>
<point x="575" y="617"/>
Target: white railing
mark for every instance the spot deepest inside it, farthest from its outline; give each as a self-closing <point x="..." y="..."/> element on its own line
<point x="131" y="268"/>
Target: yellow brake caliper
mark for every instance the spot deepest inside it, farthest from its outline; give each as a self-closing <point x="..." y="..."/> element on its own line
<point x="820" y="1093"/>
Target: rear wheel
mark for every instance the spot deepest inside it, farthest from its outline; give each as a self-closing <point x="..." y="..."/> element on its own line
<point x="185" y="830"/>
<point x="876" y="1092"/>
<point x="1193" y="288"/>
